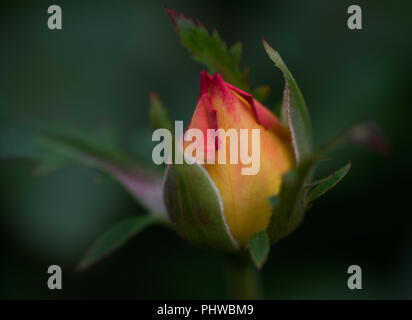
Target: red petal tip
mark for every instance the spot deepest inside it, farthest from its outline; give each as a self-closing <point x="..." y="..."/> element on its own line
<point x="205" y="81"/>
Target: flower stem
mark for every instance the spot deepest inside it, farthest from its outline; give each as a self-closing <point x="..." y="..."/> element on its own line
<point x="243" y="278"/>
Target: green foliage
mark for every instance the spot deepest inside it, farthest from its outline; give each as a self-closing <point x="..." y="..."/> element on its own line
<point x="290" y="205"/>
<point x="194" y="206"/>
<point x="143" y="185"/>
<point x="114" y="238"/>
<point x="320" y="187"/>
<point x="259" y="247"/>
<point x="158" y="113"/>
<point x="210" y="50"/>
<point x="297" y="113"/>
<point x="193" y="201"/>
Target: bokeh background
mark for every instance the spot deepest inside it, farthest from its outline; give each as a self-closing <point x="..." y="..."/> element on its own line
<point x="94" y="75"/>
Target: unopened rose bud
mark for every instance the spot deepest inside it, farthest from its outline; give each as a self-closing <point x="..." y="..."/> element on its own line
<point x="244" y="188"/>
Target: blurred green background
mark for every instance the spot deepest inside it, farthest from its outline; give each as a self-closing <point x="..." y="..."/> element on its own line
<point x="95" y="75"/>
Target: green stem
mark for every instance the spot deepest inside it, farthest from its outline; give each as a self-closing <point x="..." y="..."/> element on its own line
<point x="243" y="278"/>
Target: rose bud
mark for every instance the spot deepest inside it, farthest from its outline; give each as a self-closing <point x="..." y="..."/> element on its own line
<point x="244" y="195"/>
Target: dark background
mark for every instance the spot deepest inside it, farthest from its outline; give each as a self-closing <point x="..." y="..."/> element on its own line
<point x="95" y="75"/>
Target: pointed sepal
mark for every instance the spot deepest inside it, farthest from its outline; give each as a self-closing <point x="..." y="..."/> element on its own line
<point x="195" y="207"/>
<point x="158" y="114"/>
<point x="259" y="246"/>
<point x="295" y="107"/>
<point x="289" y="206"/>
<point x="319" y="188"/>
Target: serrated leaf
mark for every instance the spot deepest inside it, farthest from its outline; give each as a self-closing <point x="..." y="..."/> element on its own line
<point x="259" y="247"/>
<point x="113" y="239"/>
<point x="290" y="205"/>
<point x="297" y="113"/>
<point x="319" y="188"/>
<point x="195" y="208"/>
<point x="209" y="49"/>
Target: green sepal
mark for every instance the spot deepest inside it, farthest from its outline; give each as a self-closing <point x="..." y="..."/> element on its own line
<point x="259" y="246"/>
<point x="290" y="205"/>
<point x="319" y="188"/>
<point x="158" y="114"/>
<point x="195" y="208"/>
<point x="297" y="113"/>
<point x="114" y="238"/>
